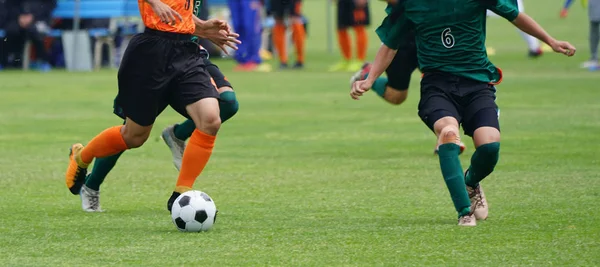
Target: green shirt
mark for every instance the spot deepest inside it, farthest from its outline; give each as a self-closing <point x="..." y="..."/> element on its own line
<point x="450" y="34"/>
<point x="197" y="5"/>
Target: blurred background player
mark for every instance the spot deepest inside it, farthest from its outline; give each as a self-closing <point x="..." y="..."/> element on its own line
<point x="352" y="14"/>
<point x="594" y="17"/>
<point x="246" y="19"/>
<point x="564" y="12"/>
<point x="534" y="47"/>
<point x="394" y="87"/>
<point x="289" y="10"/>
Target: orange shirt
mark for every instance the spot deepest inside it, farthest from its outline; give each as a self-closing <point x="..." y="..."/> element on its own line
<point x="183" y="7"/>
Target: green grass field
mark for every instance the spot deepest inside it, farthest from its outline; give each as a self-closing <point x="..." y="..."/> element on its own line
<point x="304" y="176"/>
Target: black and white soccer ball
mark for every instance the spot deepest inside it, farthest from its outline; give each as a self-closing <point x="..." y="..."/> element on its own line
<point x="194" y="211"/>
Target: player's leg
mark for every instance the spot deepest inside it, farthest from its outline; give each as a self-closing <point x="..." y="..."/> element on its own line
<point x="136" y="101"/>
<point x="176" y="135"/>
<point x="592" y="64"/>
<point x="344" y="12"/>
<point x="565" y="10"/>
<point x="360" y="20"/>
<point x="197" y="100"/>
<point x="533" y="44"/>
<point x="393" y="88"/>
<point x="279" y="32"/>
<point x="298" y="32"/>
<point x="481" y="122"/>
<point x="237" y="10"/>
<point x="439" y="112"/>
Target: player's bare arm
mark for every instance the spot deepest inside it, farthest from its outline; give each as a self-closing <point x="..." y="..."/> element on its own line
<point x="217" y="31"/>
<point x="164" y="12"/>
<point x="527" y="24"/>
<point x="384" y="57"/>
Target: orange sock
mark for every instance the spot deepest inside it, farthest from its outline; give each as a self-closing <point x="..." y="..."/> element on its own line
<point x="299" y="35"/>
<point x="279" y="42"/>
<point x="344" y="42"/>
<point x="361" y="42"/>
<point x="196" y="155"/>
<point x="107" y="143"/>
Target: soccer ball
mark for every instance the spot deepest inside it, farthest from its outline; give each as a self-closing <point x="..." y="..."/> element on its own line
<point x="194" y="211"/>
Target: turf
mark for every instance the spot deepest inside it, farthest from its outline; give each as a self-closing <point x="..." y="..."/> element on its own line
<point x="304" y="176"/>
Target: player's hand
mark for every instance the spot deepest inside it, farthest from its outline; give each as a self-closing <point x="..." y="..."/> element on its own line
<point x="220" y="33"/>
<point x="563" y="48"/>
<point x="164" y="12"/>
<point x="359" y="88"/>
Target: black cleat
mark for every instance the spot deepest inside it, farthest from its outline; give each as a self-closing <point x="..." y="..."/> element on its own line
<point x="299" y="65"/>
<point x="172" y="199"/>
<point x="283" y="66"/>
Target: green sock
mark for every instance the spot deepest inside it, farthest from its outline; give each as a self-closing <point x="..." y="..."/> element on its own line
<point x="379" y="85"/>
<point x="454" y="177"/>
<point x="228" y="105"/>
<point x="483" y="162"/>
<point x="184" y="130"/>
<point x="101" y="168"/>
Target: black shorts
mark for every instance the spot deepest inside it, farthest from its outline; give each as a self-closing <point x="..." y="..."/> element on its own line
<point x="216" y="75"/>
<point x="471" y="102"/>
<point x="349" y="15"/>
<point x="160" y="69"/>
<point x="401" y="69"/>
<point x="282" y="8"/>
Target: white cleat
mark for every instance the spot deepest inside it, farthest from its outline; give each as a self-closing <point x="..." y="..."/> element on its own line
<point x="176" y="145"/>
<point x="478" y="201"/>
<point x="90" y="199"/>
<point x="360" y="75"/>
<point x="589" y="64"/>
<point x="467" y="220"/>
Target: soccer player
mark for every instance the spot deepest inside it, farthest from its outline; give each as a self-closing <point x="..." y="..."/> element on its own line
<point x="174" y="136"/>
<point x="458" y="83"/>
<point x="290" y="9"/>
<point x="352" y="14"/>
<point x="594" y="18"/>
<point x="246" y="18"/>
<point x="162" y="67"/>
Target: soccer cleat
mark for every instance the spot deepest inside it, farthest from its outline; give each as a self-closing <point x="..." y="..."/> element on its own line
<point x="341" y="66"/>
<point x="283" y="66"/>
<point x="467" y="220"/>
<point x="263" y="67"/>
<point x="361" y="74"/>
<point x="535" y="53"/>
<point x="564" y="13"/>
<point x="590" y="64"/>
<point x="77" y="170"/>
<point x="176" y="145"/>
<point x="462" y="146"/>
<point x="478" y="201"/>
<point x="355" y="66"/>
<point x="90" y="199"/>
<point x="171" y="200"/>
<point x="298" y="65"/>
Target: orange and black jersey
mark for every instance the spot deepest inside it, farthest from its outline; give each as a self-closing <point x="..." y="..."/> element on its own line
<point x="183" y="7"/>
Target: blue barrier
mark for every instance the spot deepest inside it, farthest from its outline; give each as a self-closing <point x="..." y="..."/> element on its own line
<point x="96" y="9"/>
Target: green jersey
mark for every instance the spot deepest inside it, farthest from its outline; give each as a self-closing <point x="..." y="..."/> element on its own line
<point x="197" y="5"/>
<point x="450" y="34"/>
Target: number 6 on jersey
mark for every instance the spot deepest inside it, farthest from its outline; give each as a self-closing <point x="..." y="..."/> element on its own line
<point x="447" y="38"/>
